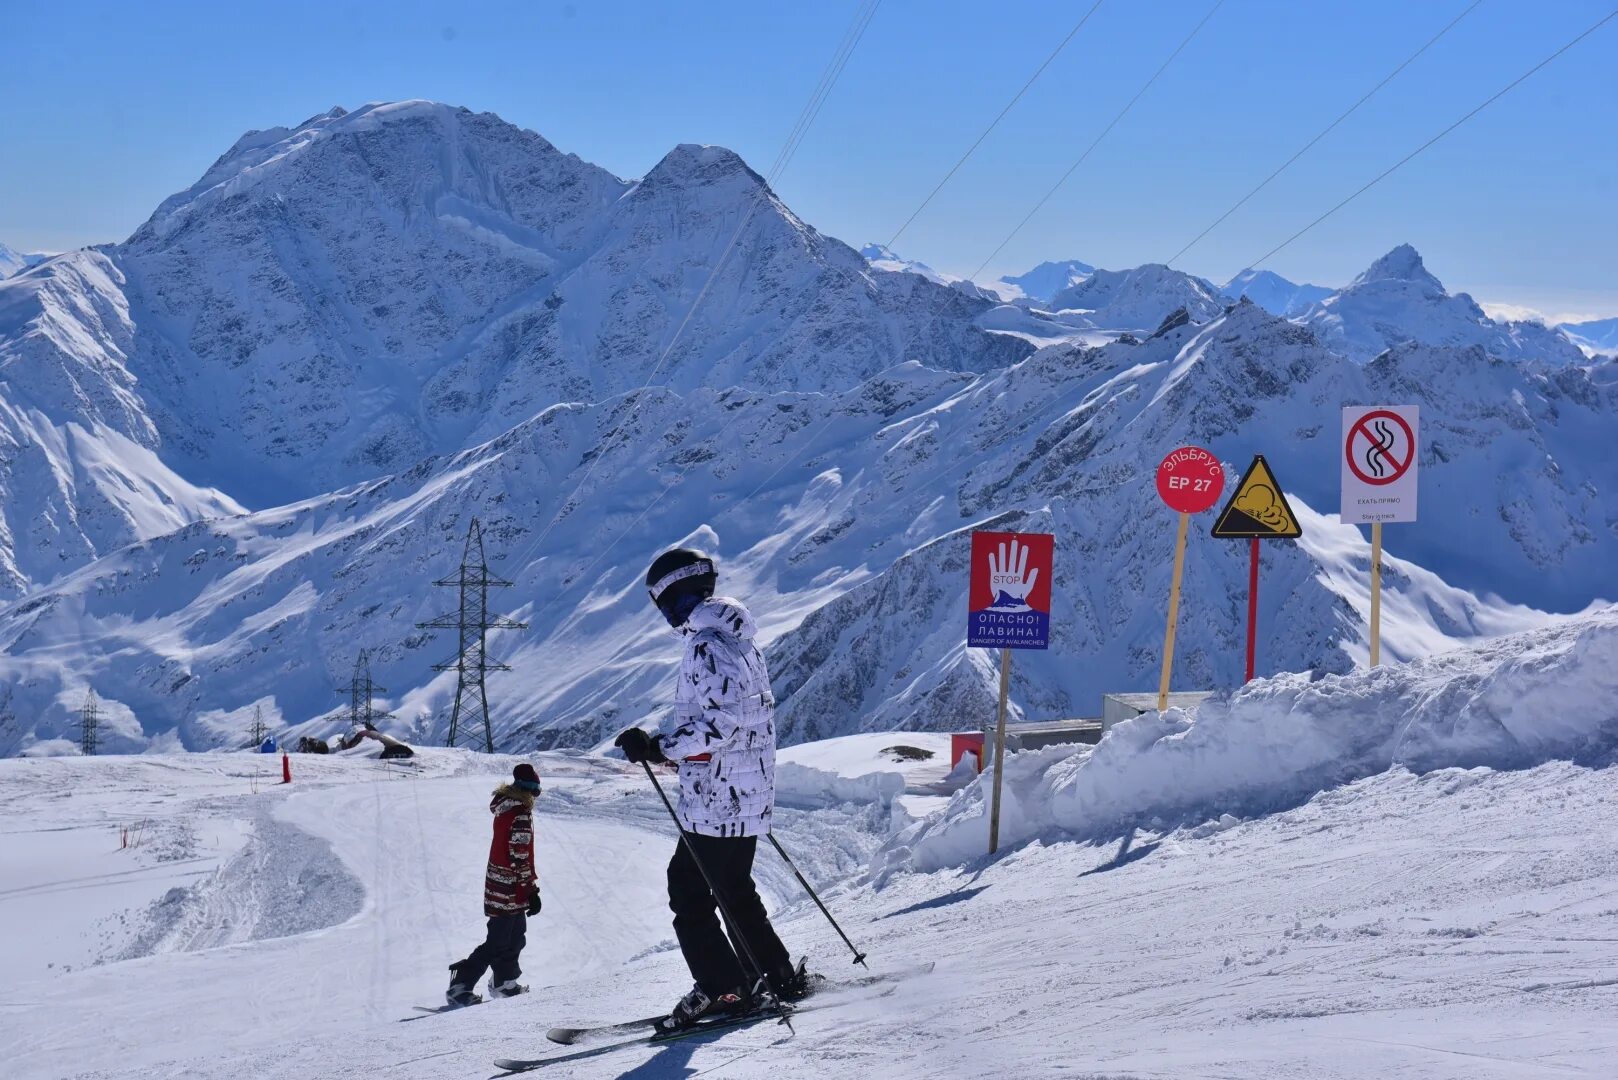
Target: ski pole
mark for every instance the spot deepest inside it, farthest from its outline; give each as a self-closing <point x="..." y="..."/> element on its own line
<point x="724" y="908"/>
<point x="859" y="957"/>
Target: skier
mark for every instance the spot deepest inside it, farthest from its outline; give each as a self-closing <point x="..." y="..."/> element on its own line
<point x="510" y="894"/>
<point x="722" y="734"/>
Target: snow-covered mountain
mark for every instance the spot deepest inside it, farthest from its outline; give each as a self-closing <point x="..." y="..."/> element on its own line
<point x="338" y="300"/>
<point x="80" y="468"/>
<point x="842" y="518"/>
<point x="1049" y="278"/>
<point x="378" y="325"/>
<point x="882" y="257"/>
<point x="1138" y="299"/>
<point x="1397" y="300"/>
<point x="1597" y="335"/>
<point x="1273" y="293"/>
<point x="14" y="262"/>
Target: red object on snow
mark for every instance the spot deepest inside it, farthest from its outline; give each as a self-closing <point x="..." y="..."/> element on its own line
<point x="960" y="744"/>
<point x="286" y="768"/>
<point x="1190" y="479"/>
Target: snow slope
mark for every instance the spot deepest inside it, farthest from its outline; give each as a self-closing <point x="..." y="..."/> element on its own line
<point x="843" y="521"/>
<point x="81" y="471"/>
<point x="1397" y="300"/>
<point x="1205" y="898"/>
<point x="1597" y="335"/>
<point x="1273" y="293"/>
<point x="15" y="262"/>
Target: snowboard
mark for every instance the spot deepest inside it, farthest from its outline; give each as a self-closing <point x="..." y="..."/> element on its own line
<point x="424" y="1011"/>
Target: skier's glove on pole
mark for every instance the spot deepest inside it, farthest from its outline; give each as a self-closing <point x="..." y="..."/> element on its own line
<point x="533" y="903"/>
<point x="640" y="747"/>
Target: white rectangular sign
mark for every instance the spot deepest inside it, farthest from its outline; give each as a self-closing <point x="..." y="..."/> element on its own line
<point x="1380" y="452"/>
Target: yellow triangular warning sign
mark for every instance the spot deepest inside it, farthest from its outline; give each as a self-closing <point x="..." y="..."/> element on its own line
<point x="1258" y="509"/>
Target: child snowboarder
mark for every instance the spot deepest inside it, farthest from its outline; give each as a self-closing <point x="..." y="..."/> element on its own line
<point x="510" y="894"/>
<point x="722" y="733"/>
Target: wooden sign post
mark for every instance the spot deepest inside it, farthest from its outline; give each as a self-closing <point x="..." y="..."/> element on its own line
<point x="1189" y="481"/>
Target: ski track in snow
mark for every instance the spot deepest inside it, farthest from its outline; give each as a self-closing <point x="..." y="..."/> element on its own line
<point x="1458" y="923"/>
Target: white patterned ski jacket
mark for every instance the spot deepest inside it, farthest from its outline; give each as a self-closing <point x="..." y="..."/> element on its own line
<point x="722" y="729"/>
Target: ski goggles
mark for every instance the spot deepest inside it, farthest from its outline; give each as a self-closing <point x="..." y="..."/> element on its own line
<point x="662" y="584"/>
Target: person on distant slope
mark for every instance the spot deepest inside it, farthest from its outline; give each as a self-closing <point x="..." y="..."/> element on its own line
<point x="722" y="733"/>
<point x="510" y="894"/>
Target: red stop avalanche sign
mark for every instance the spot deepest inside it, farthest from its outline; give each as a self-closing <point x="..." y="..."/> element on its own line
<point x="1190" y="480"/>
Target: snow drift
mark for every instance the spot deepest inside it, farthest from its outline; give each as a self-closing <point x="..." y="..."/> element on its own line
<point x="1518" y="701"/>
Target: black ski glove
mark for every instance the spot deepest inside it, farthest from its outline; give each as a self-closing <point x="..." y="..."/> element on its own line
<point x="639" y="746"/>
<point x="533" y="903"/>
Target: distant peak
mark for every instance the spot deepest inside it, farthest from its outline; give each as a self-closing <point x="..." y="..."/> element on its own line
<point x="696" y="163"/>
<point x="1403" y="263"/>
<point x="879" y="251"/>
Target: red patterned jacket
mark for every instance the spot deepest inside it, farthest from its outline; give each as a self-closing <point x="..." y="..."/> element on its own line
<point x="510" y="880"/>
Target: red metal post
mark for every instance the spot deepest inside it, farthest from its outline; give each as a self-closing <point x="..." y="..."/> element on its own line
<point x="1252" y="606"/>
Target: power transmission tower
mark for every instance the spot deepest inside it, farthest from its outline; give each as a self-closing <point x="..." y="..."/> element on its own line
<point x="361" y="713"/>
<point x="472" y="622"/>
<point x="88" y="723"/>
<point x="258" y="730"/>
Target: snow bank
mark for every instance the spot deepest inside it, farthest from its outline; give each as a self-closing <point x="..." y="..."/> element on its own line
<point x="1517" y="701"/>
<point x="873" y="767"/>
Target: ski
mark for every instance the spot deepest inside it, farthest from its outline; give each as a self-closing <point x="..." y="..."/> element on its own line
<point x="424" y="1011"/>
<point x="567" y="1036"/>
<point x="780" y="1014"/>
<point x="571" y="1036"/>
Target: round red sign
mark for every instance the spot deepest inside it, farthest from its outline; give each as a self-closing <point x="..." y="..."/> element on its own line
<point x="1190" y="480"/>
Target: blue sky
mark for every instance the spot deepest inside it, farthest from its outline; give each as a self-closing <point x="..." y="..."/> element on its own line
<point x="109" y="107"/>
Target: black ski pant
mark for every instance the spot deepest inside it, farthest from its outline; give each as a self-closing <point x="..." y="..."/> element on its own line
<point x="719" y="963"/>
<point x="499" y="951"/>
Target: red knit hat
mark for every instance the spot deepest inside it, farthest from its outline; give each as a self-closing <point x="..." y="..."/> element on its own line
<point x="525" y="777"/>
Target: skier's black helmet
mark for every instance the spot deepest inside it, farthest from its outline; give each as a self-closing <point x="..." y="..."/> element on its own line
<point x="679" y="580"/>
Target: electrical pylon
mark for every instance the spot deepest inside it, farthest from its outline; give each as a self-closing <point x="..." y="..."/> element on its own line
<point x="258" y="730"/>
<point x="89" y="721"/>
<point x="472" y="622"/>
<point x="361" y="713"/>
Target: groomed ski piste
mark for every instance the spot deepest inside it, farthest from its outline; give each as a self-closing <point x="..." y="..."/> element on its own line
<point x="1406" y="872"/>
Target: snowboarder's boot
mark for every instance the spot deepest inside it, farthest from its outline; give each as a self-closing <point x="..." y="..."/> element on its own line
<point x="460" y="994"/>
<point x="696" y="1006"/>
<point x="795" y="984"/>
<point x="460" y="989"/>
<point x="509" y="988"/>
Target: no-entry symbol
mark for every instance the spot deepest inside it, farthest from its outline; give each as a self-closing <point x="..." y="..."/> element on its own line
<point x="1381" y="447"/>
<point x="1380" y="444"/>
